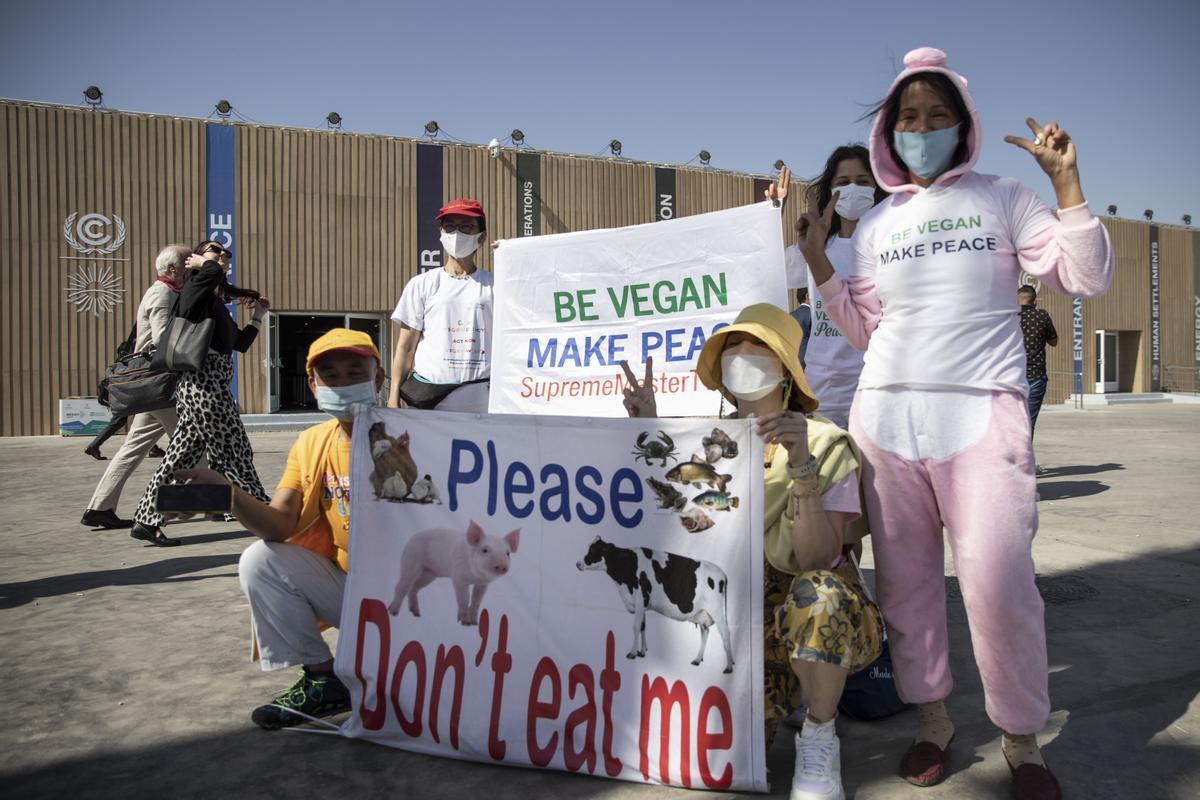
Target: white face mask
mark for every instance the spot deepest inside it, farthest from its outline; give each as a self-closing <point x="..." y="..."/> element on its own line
<point x="854" y="200"/>
<point x="750" y="377"/>
<point x="459" y="244"/>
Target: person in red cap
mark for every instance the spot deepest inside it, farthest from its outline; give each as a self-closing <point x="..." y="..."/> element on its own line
<point x="295" y="576"/>
<point x="443" y="357"/>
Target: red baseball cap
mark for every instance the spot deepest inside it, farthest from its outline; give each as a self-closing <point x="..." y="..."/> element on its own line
<point x="462" y="207"/>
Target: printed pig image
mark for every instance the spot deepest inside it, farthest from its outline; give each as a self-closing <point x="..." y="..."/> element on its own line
<point x="470" y="561"/>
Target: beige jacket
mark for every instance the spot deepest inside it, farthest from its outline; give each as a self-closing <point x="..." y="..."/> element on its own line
<point x="153" y="314"/>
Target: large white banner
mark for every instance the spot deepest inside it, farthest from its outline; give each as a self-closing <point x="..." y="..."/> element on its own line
<point x="542" y="592"/>
<point x="570" y="307"/>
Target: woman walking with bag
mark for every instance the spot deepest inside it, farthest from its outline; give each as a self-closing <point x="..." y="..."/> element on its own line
<point x="208" y="414"/>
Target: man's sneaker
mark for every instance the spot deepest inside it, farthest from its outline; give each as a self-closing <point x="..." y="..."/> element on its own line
<point x="818" y="773"/>
<point x="315" y="694"/>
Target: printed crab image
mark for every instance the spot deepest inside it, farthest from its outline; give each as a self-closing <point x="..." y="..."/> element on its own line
<point x="660" y="449"/>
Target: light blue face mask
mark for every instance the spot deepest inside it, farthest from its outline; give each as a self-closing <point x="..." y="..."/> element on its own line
<point x="927" y="154"/>
<point x="339" y="401"/>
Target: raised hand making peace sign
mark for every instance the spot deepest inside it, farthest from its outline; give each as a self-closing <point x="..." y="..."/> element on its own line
<point x="639" y="400"/>
<point x="778" y="192"/>
<point x="1054" y="152"/>
<point x="812" y="231"/>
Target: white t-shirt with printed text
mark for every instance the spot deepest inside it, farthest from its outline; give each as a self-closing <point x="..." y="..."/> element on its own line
<point x="831" y="364"/>
<point x="944" y="262"/>
<point x="454" y="315"/>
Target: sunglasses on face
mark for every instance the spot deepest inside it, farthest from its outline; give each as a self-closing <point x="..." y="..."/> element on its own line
<point x="216" y="250"/>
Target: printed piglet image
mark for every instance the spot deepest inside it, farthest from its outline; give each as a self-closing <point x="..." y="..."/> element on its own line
<point x="471" y="561"/>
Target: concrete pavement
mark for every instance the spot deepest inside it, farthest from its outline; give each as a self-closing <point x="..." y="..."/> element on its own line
<point x="128" y="676"/>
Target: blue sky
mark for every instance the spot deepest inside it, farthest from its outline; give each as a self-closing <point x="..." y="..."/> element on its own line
<point x="749" y="81"/>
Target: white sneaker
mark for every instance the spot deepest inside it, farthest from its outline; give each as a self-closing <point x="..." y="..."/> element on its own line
<point x="818" y="773"/>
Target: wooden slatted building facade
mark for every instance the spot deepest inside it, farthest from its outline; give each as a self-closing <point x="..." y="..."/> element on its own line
<point x="330" y="226"/>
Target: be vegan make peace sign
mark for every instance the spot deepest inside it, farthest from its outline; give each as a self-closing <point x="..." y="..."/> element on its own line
<point x="570" y="307"/>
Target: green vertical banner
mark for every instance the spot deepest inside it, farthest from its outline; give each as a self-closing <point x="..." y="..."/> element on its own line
<point x="1155" y="320"/>
<point x="529" y="194"/>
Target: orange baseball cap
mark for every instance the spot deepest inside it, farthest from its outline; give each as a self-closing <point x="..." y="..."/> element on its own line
<point x="340" y="339"/>
<point x="462" y="207"/>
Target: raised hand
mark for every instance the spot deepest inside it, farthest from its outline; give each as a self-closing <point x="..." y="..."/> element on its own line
<point x="639" y="400"/>
<point x="788" y="429"/>
<point x="1054" y="152"/>
<point x="778" y="192"/>
<point x="812" y="230"/>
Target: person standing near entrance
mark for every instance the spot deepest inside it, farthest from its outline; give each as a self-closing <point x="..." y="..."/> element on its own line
<point x="1038" y="330"/>
<point x="152" y="315"/>
<point x="443" y="355"/>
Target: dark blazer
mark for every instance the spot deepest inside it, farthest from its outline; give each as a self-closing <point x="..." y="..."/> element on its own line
<point x="198" y="301"/>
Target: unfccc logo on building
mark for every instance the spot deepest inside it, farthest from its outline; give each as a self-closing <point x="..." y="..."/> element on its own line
<point x="94" y="233"/>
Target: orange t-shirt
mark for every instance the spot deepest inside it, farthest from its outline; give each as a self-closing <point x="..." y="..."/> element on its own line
<point x="318" y="467"/>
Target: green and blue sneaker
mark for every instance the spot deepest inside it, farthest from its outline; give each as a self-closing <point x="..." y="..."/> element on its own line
<point x="314" y="695"/>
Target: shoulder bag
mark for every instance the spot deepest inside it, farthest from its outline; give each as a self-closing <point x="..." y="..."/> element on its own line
<point x="184" y="344"/>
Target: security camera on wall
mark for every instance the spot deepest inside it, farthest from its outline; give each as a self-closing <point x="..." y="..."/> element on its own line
<point x="494" y="148"/>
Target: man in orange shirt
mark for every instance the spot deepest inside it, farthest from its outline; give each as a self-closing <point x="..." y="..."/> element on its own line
<point x="295" y="576"/>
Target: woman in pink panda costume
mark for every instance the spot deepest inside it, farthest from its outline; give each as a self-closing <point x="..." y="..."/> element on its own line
<point x="940" y="409"/>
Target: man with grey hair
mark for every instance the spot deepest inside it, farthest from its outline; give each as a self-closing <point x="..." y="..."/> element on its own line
<point x="152" y="316"/>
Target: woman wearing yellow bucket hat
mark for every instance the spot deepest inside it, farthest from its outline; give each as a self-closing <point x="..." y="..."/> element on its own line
<point x="822" y="625"/>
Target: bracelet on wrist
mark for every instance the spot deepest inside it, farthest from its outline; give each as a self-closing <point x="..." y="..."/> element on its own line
<point x="804" y="471"/>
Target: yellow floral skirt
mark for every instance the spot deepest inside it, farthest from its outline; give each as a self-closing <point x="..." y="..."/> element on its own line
<point x="823" y="616"/>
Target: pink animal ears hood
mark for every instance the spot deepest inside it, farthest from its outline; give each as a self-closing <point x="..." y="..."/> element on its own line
<point x="893" y="176"/>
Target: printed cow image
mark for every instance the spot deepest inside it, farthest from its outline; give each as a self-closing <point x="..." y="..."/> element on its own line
<point x="675" y="586"/>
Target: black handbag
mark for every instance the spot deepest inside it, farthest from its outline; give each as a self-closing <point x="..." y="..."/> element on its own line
<point x="421" y="394"/>
<point x="133" y="385"/>
<point x="184" y="344"/>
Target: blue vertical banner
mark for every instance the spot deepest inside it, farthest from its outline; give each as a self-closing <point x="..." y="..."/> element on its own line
<point x="1077" y="342"/>
<point x="429" y="203"/>
<point x="220" y="199"/>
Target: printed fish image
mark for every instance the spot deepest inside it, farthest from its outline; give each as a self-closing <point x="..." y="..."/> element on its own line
<point x="715" y="501"/>
<point x="698" y="472"/>
<point x="695" y="521"/>
<point x="668" y="496"/>
<point x="719" y="439"/>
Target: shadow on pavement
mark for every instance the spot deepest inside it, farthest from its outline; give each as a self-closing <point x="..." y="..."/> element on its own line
<point x="172" y="570"/>
<point x="1079" y="469"/>
<point x="1063" y="490"/>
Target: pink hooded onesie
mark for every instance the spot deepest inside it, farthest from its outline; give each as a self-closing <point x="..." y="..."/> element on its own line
<point x="940" y="413"/>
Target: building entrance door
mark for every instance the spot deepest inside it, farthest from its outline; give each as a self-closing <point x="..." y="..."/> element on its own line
<point x="1107" y="362"/>
<point x="289" y="335"/>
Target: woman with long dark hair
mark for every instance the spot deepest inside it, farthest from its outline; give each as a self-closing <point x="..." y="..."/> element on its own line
<point x="940" y="412"/>
<point x="208" y="414"/>
<point x="831" y="363"/>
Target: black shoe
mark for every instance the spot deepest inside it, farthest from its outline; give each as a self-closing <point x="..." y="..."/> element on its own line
<point x="104" y="519"/>
<point x="156" y="452"/>
<point x="315" y="694"/>
<point x="94" y="452"/>
<point x="152" y="535"/>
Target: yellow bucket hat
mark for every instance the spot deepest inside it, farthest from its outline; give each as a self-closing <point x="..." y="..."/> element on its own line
<point x="776" y="329"/>
<point x="340" y="339"/>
